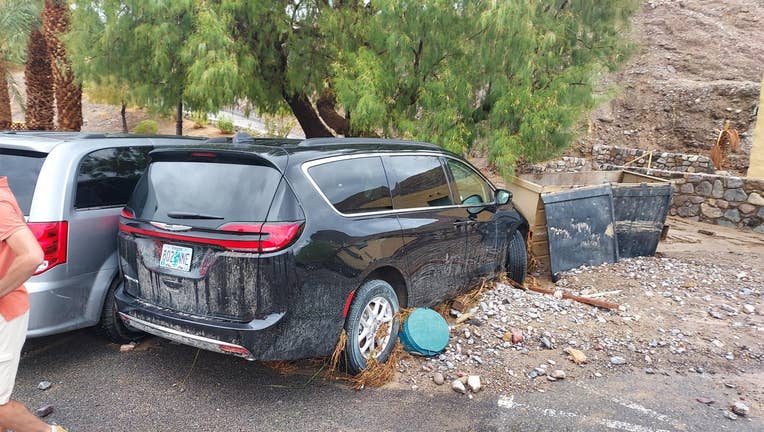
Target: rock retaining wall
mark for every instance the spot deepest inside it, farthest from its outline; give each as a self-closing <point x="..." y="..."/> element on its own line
<point x="722" y="200"/>
<point x="566" y="164"/>
<point x="609" y="155"/>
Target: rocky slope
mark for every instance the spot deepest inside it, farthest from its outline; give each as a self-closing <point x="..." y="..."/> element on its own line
<point x="700" y="62"/>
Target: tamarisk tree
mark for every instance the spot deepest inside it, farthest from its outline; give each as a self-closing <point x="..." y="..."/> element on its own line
<point x="515" y="75"/>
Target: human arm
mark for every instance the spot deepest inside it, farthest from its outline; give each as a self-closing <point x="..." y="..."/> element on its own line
<point x="29" y="256"/>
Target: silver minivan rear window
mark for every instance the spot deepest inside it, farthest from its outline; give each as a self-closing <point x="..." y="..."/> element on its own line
<point x="22" y="168"/>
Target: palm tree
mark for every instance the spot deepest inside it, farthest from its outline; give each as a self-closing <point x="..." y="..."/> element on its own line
<point x="55" y="19"/>
<point x="17" y="17"/>
<point x="39" y="80"/>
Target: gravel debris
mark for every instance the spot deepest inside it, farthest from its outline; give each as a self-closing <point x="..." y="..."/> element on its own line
<point x="653" y="332"/>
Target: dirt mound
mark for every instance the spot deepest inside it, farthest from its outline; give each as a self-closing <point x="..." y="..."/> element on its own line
<point x="700" y="62"/>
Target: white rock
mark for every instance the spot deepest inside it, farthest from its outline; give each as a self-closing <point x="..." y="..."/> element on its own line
<point x="749" y="308"/>
<point x="617" y="360"/>
<point x="740" y="408"/>
<point x="473" y="382"/>
<point x="458" y="386"/>
<point x="557" y="374"/>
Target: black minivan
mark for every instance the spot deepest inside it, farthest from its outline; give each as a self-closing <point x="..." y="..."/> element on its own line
<point x="267" y="249"/>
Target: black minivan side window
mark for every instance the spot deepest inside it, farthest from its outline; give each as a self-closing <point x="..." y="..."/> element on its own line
<point x="107" y="177"/>
<point x="418" y="182"/>
<point x="354" y="185"/>
<point x="470" y="186"/>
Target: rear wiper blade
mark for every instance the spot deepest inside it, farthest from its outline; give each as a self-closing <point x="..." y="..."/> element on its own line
<point x="182" y="215"/>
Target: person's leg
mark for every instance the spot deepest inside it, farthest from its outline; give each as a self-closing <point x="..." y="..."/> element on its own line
<point x="13" y="415"/>
<point x="16" y="417"/>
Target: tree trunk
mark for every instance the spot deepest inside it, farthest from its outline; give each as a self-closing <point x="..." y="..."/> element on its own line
<point x="179" y="119"/>
<point x="38" y="76"/>
<point x="55" y="18"/>
<point x="326" y="109"/>
<point x="124" y="117"/>
<point x="306" y="116"/>
<point x="5" y="99"/>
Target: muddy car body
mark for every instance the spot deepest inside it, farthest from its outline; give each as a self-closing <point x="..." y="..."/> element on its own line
<point x="267" y="248"/>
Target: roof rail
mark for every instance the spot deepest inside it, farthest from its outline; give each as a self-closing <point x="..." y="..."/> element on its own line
<point x="243" y="139"/>
<point x="217" y="140"/>
<point x="322" y="142"/>
<point x="97" y="135"/>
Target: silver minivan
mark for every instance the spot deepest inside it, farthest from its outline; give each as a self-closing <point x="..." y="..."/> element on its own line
<point x="72" y="188"/>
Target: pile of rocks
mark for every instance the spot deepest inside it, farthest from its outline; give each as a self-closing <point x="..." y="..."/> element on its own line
<point x="514" y="338"/>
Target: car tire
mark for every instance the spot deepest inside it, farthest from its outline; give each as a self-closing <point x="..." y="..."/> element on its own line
<point x="111" y="326"/>
<point x="517" y="257"/>
<point x="374" y="304"/>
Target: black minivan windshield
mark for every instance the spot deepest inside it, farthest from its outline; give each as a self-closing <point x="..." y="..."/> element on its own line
<point x="204" y="194"/>
<point x="22" y="169"/>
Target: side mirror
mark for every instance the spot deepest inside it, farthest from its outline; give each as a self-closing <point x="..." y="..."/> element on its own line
<point x="503" y="196"/>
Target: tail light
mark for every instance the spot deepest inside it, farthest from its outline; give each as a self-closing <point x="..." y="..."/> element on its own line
<point x="52" y="237"/>
<point x="127" y="213"/>
<point x="274" y="236"/>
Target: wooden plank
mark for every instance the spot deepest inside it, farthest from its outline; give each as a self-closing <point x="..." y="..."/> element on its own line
<point x="635" y="177"/>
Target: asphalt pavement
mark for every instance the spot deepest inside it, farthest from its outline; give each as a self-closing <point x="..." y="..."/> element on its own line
<point x="162" y="386"/>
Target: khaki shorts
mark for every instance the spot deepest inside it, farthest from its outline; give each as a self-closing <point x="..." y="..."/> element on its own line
<point x="12" y="336"/>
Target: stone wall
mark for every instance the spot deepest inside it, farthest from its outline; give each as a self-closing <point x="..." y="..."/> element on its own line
<point x="722" y="200"/>
<point x="609" y="155"/>
<point x="566" y="164"/>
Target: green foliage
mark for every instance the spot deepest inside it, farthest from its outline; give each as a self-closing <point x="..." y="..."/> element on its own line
<point x="17" y="18"/>
<point x="146" y="127"/>
<point x="278" y="125"/>
<point x="225" y="124"/>
<point x="200" y="119"/>
<point x="514" y="76"/>
<point x="133" y="46"/>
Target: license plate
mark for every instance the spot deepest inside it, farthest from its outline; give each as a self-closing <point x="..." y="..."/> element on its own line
<point x="175" y="257"/>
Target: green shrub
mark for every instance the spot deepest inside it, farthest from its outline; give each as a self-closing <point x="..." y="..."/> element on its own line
<point x="225" y="124"/>
<point x="200" y="119"/>
<point x="147" y="127"/>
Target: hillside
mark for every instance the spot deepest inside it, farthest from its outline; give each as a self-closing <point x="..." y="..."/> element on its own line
<point x="699" y="62"/>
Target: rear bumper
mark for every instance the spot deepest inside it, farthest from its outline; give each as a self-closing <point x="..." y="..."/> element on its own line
<point x="62" y="304"/>
<point x="186" y="338"/>
<point x="252" y="340"/>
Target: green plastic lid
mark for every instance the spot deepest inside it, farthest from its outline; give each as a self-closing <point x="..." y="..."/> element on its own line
<point x="425" y="332"/>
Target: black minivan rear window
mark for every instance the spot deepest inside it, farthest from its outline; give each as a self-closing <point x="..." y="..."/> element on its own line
<point x="204" y="194"/>
<point x="22" y="169"/>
